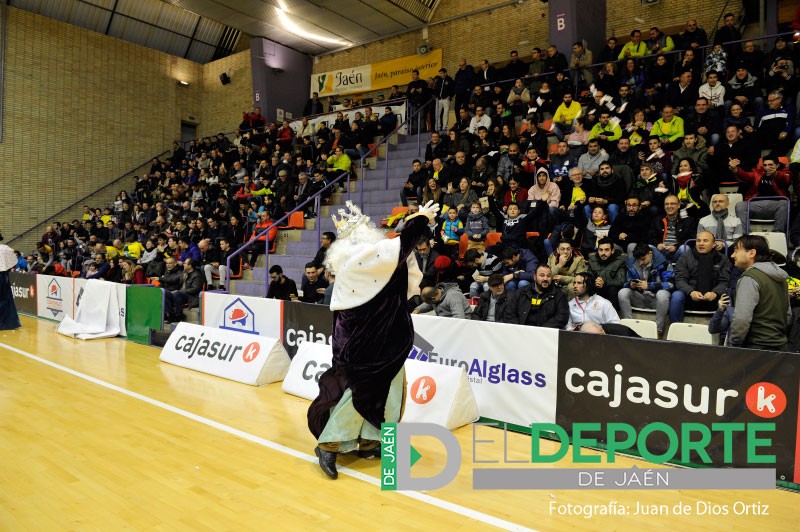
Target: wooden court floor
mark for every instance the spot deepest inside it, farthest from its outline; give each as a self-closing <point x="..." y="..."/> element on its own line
<point x="100" y="435"/>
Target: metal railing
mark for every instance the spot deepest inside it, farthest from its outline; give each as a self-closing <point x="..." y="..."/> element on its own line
<point x="316" y="199"/>
<point x="546" y="76"/>
<point x="387" y="103"/>
<point x="419" y="115"/>
<point x="86" y="197"/>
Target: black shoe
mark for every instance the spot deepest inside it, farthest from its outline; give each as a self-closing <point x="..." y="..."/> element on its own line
<point x="372" y="453"/>
<point x="327" y="462"/>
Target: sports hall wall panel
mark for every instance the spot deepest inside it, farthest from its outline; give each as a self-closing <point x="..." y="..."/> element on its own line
<point x="494" y="34"/>
<point x="82" y="108"/>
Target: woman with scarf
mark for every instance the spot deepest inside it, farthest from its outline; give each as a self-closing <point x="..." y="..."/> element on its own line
<point x="545" y="102"/>
<point x="650" y="189"/>
<point x="596" y="228"/>
<point x="519" y="97"/>
<point x="638" y="131"/>
<point x="688" y="185"/>
<point x="515" y="194"/>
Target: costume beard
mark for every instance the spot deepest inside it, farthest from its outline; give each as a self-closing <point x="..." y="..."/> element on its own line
<point x="362" y="237"/>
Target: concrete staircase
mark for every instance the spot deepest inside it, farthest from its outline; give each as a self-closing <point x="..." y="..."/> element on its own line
<point x="295" y="248"/>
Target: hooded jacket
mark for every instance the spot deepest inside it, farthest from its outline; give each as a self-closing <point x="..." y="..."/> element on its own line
<point x="452" y="305"/>
<point x="477" y="224"/>
<point x="535" y="192"/>
<point x="526" y="264"/>
<point x="762" y="309"/>
<point x="685" y="228"/>
<point x="780" y="182"/>
<point x="659" y="277"/>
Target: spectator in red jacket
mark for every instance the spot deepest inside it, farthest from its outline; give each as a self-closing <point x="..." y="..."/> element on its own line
<point x="254" y="120"/>
<point x="764" y="182"/>
<point x="132" y="273"/>
<point x="264" y="241"/>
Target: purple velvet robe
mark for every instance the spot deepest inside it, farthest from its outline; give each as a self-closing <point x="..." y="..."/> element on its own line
<point x="370" y="344"/>
<point x="9" y="319"/>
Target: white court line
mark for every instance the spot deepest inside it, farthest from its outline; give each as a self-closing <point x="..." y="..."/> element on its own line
<point x="422" y="497"/>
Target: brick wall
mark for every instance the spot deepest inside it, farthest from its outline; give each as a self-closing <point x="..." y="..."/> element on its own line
<point x="223" y="104"/>
<point x="490" y="35"/>
<point x="82" y="109"/>
<point x="620" y="14"/>
<point x="493" y="34"/>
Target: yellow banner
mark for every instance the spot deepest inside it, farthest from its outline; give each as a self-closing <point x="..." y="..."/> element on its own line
<point x="398" y="71"/>
<point x="377" y="76"/>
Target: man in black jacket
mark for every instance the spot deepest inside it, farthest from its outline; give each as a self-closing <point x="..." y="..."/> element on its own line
<point x="280" y="286"/>
<point x="492" y="303"/>
<point x="554" y="62"/>
<point x="608" y="269"/>
<point x="701" y="277"/>
<point x="417" y="96"/>
<point x="437" y="147"/>
<point x="313" y="105"/>
<point x="443" y="90"/>
<point x="188" y="293"/>
<point x="540" y="304"/>
<point x="630" y="228"/>
<point x="425" y="258"/>
<point x="313" y="285"/>
<point x="463" y="83"/>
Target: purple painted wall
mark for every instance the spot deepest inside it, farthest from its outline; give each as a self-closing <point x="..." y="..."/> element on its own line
<point x="281" y="78"/>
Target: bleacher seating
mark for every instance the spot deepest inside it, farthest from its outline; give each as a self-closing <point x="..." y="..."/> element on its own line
<point x="394" y="161"/>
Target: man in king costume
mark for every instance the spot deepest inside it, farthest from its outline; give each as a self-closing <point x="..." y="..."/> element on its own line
<point x="372" y="334"/>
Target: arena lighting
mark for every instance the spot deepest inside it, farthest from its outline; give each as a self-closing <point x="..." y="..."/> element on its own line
<point x="294" y="28"/>
<point x="183" y="83"/>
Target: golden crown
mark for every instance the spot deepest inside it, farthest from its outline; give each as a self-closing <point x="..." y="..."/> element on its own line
<point x="347" y="222"/>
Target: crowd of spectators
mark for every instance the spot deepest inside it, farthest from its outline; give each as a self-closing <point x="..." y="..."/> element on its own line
<point x="603" y="180"/>
<point x="177" y="224"/>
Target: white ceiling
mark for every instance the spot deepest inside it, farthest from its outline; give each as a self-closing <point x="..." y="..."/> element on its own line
<point x="205" y="30"/>
<point x="346" y="21"/>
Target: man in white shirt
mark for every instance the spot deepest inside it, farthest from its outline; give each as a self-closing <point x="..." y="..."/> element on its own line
<point x="479" y="120"/>
<point x="588" y="306"/>
<point x="713" y="90"/>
